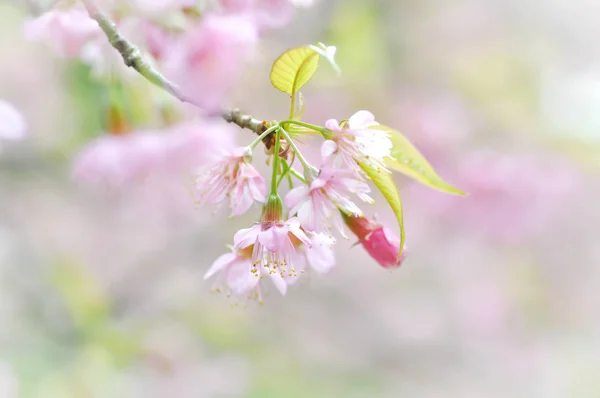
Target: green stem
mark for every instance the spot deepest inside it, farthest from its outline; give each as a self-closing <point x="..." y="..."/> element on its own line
<point x="293" y="106"/>
<point x="275" y="164"/>
<point x="258" y="139"/>
<point x="299" y="176"/>
<point x="307" y="166"/>
<point x="314" y="127"/>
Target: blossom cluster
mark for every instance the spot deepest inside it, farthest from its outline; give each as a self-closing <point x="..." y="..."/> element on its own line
<point x="284" y="244"/>
<point x="196" y="52"/>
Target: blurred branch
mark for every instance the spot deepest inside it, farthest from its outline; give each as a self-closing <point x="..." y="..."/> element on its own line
<point x="132" y="57"/>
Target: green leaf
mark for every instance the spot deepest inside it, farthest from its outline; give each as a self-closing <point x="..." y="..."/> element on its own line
<point x="383" y="181"/>
<point x="294" y="68"/>
<point x="409" y="161"/>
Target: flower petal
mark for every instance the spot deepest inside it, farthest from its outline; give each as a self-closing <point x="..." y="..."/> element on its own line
<point x="246" y="237"/>
<point x="220" y="264"/>
<point x="361" y="120"/>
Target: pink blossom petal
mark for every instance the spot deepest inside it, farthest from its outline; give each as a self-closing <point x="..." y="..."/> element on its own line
<point x="295" y="197"/>
<point x="220" y="264"/>
<point x="327" y="150"/>
<point x="279" y="282"/>
<point x="246" y="237"/>
<point x="239" y="278"/>
<point x="361" y="120"/>
<point x="333" y="125"/>
<point x="321" y="256"/>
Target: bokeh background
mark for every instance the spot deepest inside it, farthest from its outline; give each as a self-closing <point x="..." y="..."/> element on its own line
<point x="102" y="293"/>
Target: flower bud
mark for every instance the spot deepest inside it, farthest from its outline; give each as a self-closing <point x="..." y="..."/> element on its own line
<point x="379" y="241"/>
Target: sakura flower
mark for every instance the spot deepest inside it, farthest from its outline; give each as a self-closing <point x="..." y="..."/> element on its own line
<point x="206" y="61"/>
<point x="318" y="203"/>
<point x="235" y="271"/>
<point x="119" y="159"/>
<point x="65" y="30"/>
<point x="275" y="250"/>
<point x="358" y="141"/>
<point x="132" y="156"/>
<point x="263" y="13"/>
<point x="379" y="241"/>
<point x="234" y="178"/>
<point x="319" y="254"/>
<point x="12" y="123"/>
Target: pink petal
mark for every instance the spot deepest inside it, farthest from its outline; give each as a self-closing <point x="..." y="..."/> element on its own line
<point x="239" y="277"/>
<point x="279" y="283"/>
<point x="294" y="228"/>
<point x="246" y="237"/>
<point x="361" y="120"/>
<point x="327" y="150"/>
<point x="321" y="256"/>
<point x="333" y="125"/>
<point x="296" y="196"/>
<point x="220" y="264"/>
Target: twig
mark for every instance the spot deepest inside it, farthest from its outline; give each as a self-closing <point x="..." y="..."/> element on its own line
<point x="132" y="57"/>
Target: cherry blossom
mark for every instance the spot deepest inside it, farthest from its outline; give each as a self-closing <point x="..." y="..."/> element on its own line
<point x="356" y="140"/>
<point x="206" y="60"/>
<point x="66" y="30"/>
<point x="318" y="203"/>
<point x="234" y="178"/>
<point x="275" y="250"/>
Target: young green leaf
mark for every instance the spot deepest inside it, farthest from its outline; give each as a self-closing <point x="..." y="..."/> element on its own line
<point x="408" y="160"/>
<point x="294" y="68"/>
<point x="383" y="181"/>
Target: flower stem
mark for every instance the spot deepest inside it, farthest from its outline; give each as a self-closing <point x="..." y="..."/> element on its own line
<point x="308" y="169"/>
<point x="296" y="174"/>
<point x="314" y="127"/>
<point x="275" y="163"/>
<point x="258" y="139"/>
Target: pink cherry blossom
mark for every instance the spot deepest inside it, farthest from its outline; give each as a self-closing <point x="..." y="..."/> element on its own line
<point x="265" y="13"/>
<point x="275" y="250"/>
<point x="379" y="241"/>
<point x="320" y="255"/>
<point x="132" y="157"/>
<point x="318" y="203"/>
<point x="358" y="141"/>
<point x="206" y="61"/>
<point x="234" y="178"/>
<point x="12" y="123"/>
<point x="235" y="271"/>
<point x="66" y="31"/>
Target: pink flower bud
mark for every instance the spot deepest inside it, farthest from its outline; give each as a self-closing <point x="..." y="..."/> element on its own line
<point x="379" y="241"/>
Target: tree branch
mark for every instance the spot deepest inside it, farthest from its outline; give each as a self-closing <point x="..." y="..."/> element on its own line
<point x="132" y="57"/>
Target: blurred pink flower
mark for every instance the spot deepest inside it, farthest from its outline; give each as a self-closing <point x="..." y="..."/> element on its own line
<point x="234" y="178"/>
<point x="275" y="250"/>
<point x="380" y="242"/>
<point x="356" y="140"/>
<point x="132" y="157"/>
<point x="319" y="203"/>
<point x="510" y="197"/>
<point x="160" y="8"/>
<point x="207" y="59"/>
<point x="265" y="13"/>
<point x="12" y="123"/>
<point x="66" y="31"/>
